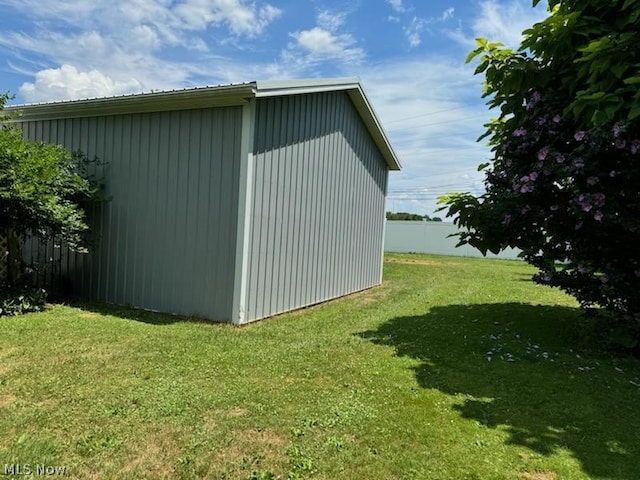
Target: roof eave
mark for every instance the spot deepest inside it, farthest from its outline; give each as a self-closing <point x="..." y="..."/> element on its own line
<point x="228" y="95"/>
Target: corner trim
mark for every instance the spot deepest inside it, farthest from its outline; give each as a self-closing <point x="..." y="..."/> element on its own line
<point x="245" y="197"/>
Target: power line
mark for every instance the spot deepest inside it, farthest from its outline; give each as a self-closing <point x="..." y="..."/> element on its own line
<point x="439" y="123"/>
<point x="426" y="114"/>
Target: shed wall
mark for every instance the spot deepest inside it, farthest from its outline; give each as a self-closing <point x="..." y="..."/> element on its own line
<point x="166" y="240"/>
<point x="317" y="204"/>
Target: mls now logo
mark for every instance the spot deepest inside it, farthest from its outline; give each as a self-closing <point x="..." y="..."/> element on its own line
<point x="28" y="469"/>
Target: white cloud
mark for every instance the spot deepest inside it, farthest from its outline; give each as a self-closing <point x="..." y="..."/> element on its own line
<point x="241" y="18"/>
<point x="414" y="31"/>
<point x="170" y="21"/>
<point x="447" y="14"/>
<point x="143" y="37"/>
<point x="67" y="83"/>
<point x="397" y="5"/>
<point x="505" y="21"/>
<point x="330" y="20"/>
<point x="322" y="43"/>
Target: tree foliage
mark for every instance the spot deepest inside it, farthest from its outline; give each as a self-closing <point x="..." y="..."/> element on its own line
<point x="411" y="217"/>
<point x="563" y="184"/>
<point x="41" y="192"/>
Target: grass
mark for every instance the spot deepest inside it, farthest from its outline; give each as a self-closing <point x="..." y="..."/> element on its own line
<point x="452" y="369"/>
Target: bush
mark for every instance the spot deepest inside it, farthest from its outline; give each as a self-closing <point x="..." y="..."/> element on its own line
<point x="563" y="182"/>
<point x="19" y="300"/>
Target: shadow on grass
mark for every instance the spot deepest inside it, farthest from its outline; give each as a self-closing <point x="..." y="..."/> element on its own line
<point x="135" y="314"/>
<point x="541" y="384"/>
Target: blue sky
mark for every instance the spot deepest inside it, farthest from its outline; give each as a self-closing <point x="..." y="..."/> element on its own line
<point x="409" y="55"/>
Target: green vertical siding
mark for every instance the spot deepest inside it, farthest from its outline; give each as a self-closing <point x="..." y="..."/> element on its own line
<point x="318" y="191"/>
<point x="166" y="240"/>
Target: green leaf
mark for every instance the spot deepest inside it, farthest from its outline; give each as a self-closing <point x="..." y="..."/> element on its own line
<point x="483" y="165"/>
<point x="634" y="112"/>
<point x="618" y="70"/>
<point x="473" y="54"/>
<point x="481" y="68"/>
<point x="635" y="80"/>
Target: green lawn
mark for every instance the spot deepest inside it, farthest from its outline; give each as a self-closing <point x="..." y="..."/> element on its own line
<point x="453" y="369"/>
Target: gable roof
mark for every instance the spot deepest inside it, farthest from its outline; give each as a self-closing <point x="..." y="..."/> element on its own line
<point x="214" y="96"/>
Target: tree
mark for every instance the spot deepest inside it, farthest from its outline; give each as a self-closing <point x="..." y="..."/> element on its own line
<point x="406" y="216"/>
<point x="563" y="183"/>
<point x="41" y="192"/>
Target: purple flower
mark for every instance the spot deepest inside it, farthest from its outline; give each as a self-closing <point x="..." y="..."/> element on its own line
<point x="604" y="278"/>
<point x="579" y="135"/>
<point x="540" y="121"/>
<point x="542" y="153"/>
<point x="554" y="208"/>
<point x="586" y="207"/>
<point x="592" y="181"/>
<point x="547" y="171"/>
<point x="546" y="277"/>
<point x="635" y="146"/>
<point x="578" y="163"/>
<point x="508" y="163"/>
<point x="598" y="216"/>
<point x="527" y="188"/>
<point x="526" y="209"/>
<point x="533" y="176"/>
<point x="617" y="129"/>
<point x="525" y="179"/>
<point x="507" y="219"/>
<point x="599" y="199"/>
<point x="557" y="119"/>
<point x="620" y="143"/>
<point x="535" y="98"/>
<point x="582" y="268"/>
<point x="519" y="132"/>
<point x="559" y="158"/>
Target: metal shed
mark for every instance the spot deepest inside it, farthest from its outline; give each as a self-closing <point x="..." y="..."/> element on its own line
<point x="230" y="203"/>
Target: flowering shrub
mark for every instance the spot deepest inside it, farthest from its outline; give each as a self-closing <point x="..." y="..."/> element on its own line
<point x="564" y="182"/>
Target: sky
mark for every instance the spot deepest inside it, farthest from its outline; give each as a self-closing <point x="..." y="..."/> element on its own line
<point x="409" y="55"/>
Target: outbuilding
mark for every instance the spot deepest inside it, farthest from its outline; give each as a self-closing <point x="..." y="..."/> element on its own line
<point x="230" y="203"/>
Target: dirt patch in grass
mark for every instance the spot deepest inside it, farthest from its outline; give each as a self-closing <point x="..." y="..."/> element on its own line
<point x="154" y="457"/>
<point x="539" y="476"/>
<point x="237" y="412"/>
<point x="7" y="399"/>
<point x="263" y="436"/>
<point x="417" y="261"/>
<point x="252" y="450"/>
<point x="373" y="295"/>
<point x="6" y="362"/>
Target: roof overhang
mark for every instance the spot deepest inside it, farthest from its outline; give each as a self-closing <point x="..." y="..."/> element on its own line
<point x="216" y="96"/>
